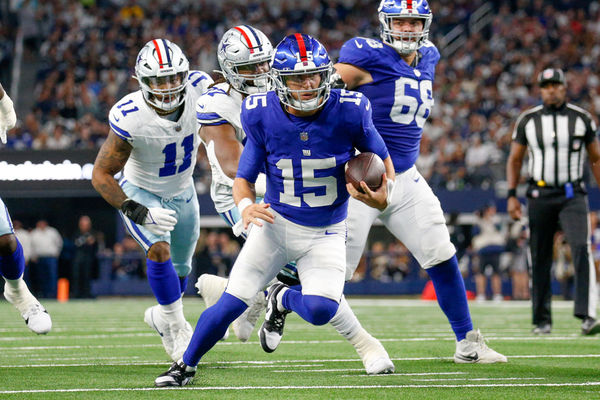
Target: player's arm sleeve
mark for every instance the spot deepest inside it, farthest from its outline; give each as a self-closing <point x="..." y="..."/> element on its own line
<point x="370" y="139"/>
<point x="518" y="135"/>
<point x="200" y="80"/>
<point x="254" y="154"/>
<point x="356" y="52"/>
<point x="118" y="124"/>
<point x="209" y="118"/>
<point x="590" y="129"/>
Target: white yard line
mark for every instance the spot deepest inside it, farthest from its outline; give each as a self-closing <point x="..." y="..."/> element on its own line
<point x="254" y="343"/>
<point x="253" y="388"/>
<point x="477" y="379"/>
<point x="278" y="363"/>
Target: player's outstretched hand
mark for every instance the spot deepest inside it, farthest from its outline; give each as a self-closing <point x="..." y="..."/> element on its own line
<point x="372" y="198"/>
<point x="255" y="212"/>
<point x="160" y="220"/>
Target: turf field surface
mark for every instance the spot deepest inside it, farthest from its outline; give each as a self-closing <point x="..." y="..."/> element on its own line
<point x="102" y="349"/>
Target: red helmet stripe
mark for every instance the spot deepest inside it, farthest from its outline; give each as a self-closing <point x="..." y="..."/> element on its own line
<point x="301" y="47"/>
<point x="409" y="4"/>
<point x="160" y="62"/>
<point x="248" y="42"/>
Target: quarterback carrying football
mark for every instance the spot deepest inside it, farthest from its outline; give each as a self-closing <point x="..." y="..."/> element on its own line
<point x="304" y="133"/>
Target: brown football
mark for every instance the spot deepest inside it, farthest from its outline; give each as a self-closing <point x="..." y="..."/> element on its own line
<point x="367" y="167"/>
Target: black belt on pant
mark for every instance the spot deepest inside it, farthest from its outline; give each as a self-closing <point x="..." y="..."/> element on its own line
<point x="577" y="186"/>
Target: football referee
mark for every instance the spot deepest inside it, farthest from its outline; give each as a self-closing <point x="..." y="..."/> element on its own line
<point x="555" y="134"/>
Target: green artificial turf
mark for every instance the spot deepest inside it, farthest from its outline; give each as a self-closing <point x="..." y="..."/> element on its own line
<point x="102" y="349"/>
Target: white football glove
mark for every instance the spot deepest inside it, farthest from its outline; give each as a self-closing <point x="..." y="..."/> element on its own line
<point x="157" y="220"/>
<point x="8" y="118"/>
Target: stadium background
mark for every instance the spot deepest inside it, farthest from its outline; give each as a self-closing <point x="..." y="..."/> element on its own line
<point x="66" y="62"/>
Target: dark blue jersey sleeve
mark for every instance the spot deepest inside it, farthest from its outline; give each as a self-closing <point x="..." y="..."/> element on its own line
<point x="359" y="52"/>
<point x="254" y="154"/>
<point x="370" y="139"/>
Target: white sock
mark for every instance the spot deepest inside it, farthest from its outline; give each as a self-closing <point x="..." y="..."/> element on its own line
<point x="173" y="313"/>
<point x="345" y="322"/>
<point x="19" y="293"/>
<point x="16" y="284"/>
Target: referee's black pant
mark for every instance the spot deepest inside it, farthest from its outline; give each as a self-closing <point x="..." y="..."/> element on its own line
<point x="547" y="207"/>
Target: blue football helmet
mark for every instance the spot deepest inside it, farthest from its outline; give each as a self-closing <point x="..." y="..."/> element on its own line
<point x="297" y="57"/>
<point x="407" y="42"/>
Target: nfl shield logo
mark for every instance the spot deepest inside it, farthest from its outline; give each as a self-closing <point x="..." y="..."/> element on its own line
<point x="304" y="136"/>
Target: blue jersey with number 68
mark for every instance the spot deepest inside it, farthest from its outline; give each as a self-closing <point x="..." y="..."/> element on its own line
<point x="304" y="157"/>
<point x="401" y="95"/>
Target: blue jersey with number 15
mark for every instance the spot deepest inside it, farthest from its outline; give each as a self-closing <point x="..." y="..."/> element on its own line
<point x="401" y="95"/>
<point x="304" y="157"/>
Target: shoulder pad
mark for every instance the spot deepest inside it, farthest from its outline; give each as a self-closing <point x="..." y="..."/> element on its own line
<point x="124" y="115"/>
<point x="199" y="78"/>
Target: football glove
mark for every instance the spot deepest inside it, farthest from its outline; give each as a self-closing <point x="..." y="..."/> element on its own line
<point x="8" y="118"/>
<point x="336" y="81"/>
<point x="157" y="220"/>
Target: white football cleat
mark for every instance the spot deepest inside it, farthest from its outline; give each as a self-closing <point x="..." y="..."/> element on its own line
<point x="155" y="320"/>
<point x="374" y="357"/>
<point x="181" y="341"/>
<point x="211" y="288"/>
<point x="35" y="315"/>
<point x="472" y="349"/>
<point x="245" y="323"/>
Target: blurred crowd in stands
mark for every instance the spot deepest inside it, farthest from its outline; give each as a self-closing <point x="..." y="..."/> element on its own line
<point x="86" y="51"/>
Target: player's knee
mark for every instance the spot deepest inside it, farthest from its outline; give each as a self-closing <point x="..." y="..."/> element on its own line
<point x="159" y="252"/>
<point x="436" y="246"/>
<point x="321" y="309"/>
<point x="8" y="244"/>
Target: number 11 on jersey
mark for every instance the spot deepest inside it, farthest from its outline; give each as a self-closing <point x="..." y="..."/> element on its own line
<point x="170" y="152"/>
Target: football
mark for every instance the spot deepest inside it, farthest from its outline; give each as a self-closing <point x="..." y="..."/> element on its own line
<point x="367" y="167"/>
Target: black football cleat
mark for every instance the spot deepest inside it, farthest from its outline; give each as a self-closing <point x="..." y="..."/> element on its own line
<point x="271" y="331"/>
<point x="178" y="375"/>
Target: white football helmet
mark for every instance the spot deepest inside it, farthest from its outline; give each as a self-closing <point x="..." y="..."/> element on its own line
<point x="244" y="57"/>
<point x="405" y="42"/>
<point x="162" y="70"/>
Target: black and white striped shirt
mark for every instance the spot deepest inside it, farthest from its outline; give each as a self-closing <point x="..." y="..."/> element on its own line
<point x="556" y="139"/>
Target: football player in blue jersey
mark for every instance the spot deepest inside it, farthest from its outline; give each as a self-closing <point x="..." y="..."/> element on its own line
<point x="302" y="134"/>
<point x="244" y="57"/>
<point x="12" y="261"/>
<point x="396" y="73"/>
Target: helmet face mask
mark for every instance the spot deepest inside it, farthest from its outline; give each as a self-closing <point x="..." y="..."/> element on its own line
<point x="394" y="10"/>
<point x="162" y="71"/>
<point x="244" y="56"/>
<point x="301" y="72"/>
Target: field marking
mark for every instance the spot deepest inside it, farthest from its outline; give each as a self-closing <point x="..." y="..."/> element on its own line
<point x="373" y="376"/>
<point x="69" y="337"/>
<point x="254" y="343"/>
<point x="278" y="363"/>
<point x="478" y="379"/>
<point x="222" y="388"/>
